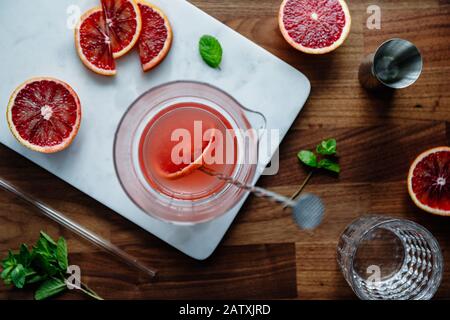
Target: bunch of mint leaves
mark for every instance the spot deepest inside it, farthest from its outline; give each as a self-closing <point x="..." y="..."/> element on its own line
<point x="326" y="158"/>
<point x="45" y="265"/>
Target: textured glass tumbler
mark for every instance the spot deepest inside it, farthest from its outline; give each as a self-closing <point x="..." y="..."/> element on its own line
<point x="390" y="259"/>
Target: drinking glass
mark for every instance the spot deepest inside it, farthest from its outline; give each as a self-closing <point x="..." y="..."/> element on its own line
<point x="386" y="258"/>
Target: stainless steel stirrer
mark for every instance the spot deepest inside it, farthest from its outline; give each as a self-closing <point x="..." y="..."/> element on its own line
<point x="307" y="211"/>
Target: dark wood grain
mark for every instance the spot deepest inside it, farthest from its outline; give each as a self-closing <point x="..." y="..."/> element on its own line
<point x="264" y="255"/>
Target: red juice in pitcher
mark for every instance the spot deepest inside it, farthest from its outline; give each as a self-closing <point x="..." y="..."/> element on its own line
<point x="160" y="138"/>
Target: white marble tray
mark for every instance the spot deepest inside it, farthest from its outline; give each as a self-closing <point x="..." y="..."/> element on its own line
<point x="37" y="42"/>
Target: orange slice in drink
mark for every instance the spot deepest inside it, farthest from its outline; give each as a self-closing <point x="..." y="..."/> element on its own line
<point x="172" y="170"/>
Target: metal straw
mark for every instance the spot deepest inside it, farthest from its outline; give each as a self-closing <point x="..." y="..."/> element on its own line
<point x="78" y="229"/>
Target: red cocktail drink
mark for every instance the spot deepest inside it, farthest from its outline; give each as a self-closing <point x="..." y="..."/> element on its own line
<point x="183" y="124"/>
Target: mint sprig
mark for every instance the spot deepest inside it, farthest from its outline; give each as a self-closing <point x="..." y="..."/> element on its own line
<point x="210" y="51"/>
<point x="326" y="149"/>
<point x="45" y="264"/>
<point x="327" y="152"/>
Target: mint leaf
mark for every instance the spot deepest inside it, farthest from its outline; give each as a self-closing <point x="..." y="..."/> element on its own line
<point x="210" y="51"/>
<point x="308" y="158"/>
<point x="61" y="254"/>
<point x="329" y="165"/>
<point x="45" y="252"/>
<point x="18" y="275"/>
<point x="9" y="261"/>
<point x="8" y="265"/>
<point x="47" y="265"/>
<point x="42" y="248"/>
<point x="35" y="278"/>
<point x="327" y="147"/>
<point x="6" y="272"/>
<point x="50" y="257"/>
<point x="49" y="239"/>
<point x="50" y="288"/>
<point x="24" y="255"/>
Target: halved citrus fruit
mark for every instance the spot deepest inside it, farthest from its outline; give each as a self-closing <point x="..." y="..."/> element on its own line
<point x="123" y="22"/>
<point x="44" y="114"/>
<point x="93" y="43"/>
<point x="172" y="170"/>
<point x="429" y="181"/>
<point x="314" y="26"/>
<point x="156" y="36"/>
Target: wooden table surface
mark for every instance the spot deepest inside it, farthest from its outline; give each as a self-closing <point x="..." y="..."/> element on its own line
<point x="264" y="255"/>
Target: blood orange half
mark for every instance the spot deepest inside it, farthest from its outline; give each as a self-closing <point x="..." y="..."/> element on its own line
<point x="156" y="36"/>
<point x="93" y="43"/>
<point x="314" y="26"/>
<point x="123" y="21"/>
<point x="170" y="169"/>
<point x="44" y="114"/>
<point x="429" y="181"/>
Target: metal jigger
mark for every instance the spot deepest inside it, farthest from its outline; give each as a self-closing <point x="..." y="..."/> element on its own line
<point x="396" y="64"/>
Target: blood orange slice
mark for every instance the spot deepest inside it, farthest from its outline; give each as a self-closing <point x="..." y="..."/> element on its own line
<point x="44" y="114"/>
<point x="170" y="169"/>
<point x="429" y="181"/>
<point x="314" y="26"/>
<point x="156" y="36"/>
<point x="93" y="43"/>
<point x="123" y="21"/>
